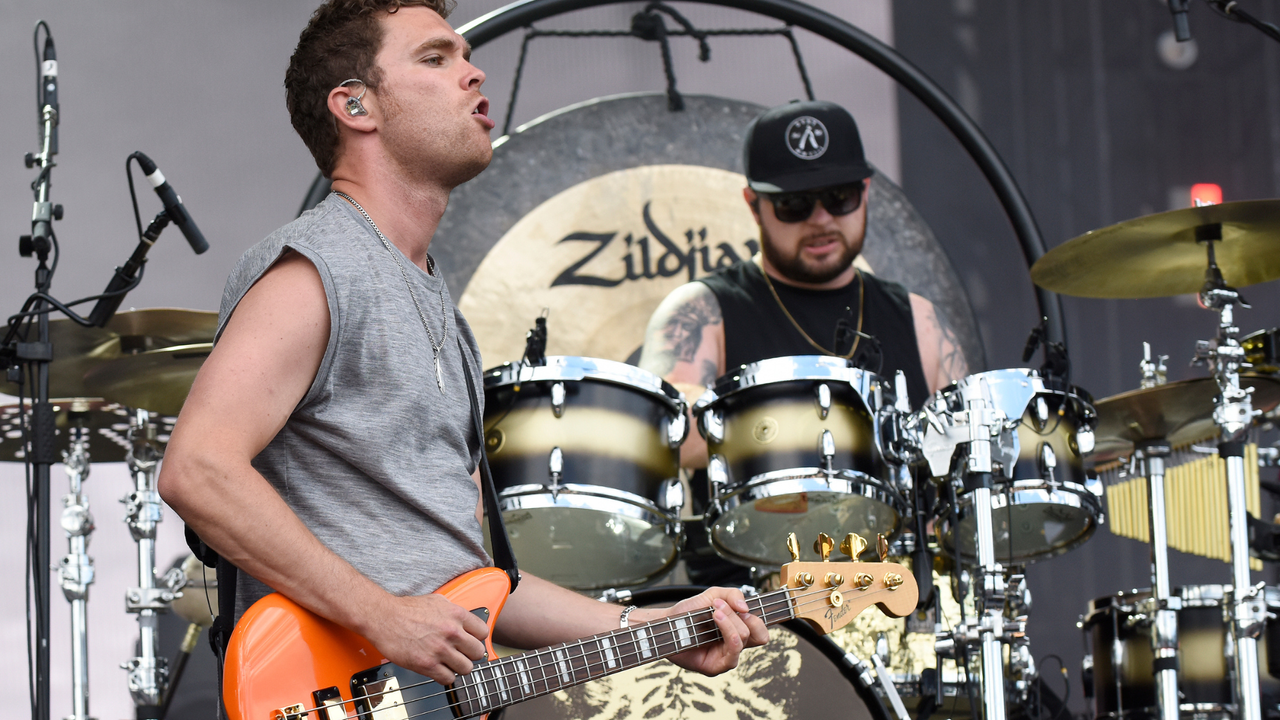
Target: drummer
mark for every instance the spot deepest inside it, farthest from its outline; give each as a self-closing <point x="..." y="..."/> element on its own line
<point x="801" y="295"/>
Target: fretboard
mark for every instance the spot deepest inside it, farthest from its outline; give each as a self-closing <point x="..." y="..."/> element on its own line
<point x="517" y="678"/>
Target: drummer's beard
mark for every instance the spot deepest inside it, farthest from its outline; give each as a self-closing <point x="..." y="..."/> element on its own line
<point x="795" y="267"/>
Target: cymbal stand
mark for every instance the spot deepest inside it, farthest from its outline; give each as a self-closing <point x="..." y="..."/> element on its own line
<point x="1234" y="416"/>
<point x="148" y="672"/>
<point x="75" y="572"/>
<point x="1162" y="608"/>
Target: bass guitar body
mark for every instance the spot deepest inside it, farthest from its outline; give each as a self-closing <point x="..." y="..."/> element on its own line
<point x="286" y="663"/>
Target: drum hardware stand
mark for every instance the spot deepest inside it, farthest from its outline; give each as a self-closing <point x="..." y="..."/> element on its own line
<point x="75" y="572"/>
<point x="1234" y="415"/>
<point x="148" y="673"/>
<point x="978" y="427"/>
<point x="984" y="422"/>
<point x="1161" y="609"/>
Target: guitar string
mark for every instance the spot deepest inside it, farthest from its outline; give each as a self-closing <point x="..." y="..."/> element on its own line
<point x="776" y="599"/>
<point x="669" y="637"/>
<point x="475" y="684"/>
<point x="702" y="628"/>
<point x="466" y="705"/>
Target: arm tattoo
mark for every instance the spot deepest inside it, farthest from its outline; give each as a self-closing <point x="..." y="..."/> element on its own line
<point x="708" y="373"/>
<point x="675" y="336"/>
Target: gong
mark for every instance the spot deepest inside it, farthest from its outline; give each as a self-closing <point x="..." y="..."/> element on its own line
<point x="597" y="211"/>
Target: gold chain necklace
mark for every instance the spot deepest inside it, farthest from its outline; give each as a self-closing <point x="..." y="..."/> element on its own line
<point x="857" y="338"/>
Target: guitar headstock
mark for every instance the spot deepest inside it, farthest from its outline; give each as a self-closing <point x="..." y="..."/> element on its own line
<point x="831" y="594"/>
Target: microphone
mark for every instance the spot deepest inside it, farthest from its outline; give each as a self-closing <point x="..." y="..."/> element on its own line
<point x="1181" y="28"/>
<point x="49" y="90"/>
<point x="172" y="204"/>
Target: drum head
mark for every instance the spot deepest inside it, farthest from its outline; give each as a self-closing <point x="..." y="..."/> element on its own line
<point x="796" y="675"/>
<point x="586" y="542"/>
<point x="755" y="521"/>
<point x="1031" y="521"/>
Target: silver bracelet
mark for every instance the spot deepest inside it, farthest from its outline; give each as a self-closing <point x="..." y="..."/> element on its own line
<point x="626" y="613"/>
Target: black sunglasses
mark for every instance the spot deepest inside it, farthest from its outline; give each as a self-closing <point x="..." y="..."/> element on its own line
<point x="794" y="207"/>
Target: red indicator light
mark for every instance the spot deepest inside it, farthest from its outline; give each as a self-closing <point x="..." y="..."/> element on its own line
<point x="1205" y="194"/>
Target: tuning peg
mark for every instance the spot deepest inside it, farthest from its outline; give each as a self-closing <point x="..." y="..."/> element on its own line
<point x="823" y="546"/>
<point x="853" y="546"/>
<point x="882" y="547"/>
<point x="793" y="547"/>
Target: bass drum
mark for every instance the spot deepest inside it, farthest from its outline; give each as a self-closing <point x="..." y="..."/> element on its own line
<point x="798" y="674"/>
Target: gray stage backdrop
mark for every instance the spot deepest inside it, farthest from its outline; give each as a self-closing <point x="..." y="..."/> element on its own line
<point x="197" y="86"/>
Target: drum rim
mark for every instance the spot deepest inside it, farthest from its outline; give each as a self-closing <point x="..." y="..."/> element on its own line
<point x="1004" y="375"/>
<point x="1037" y="487"/>
<point x="634" y="506"/>
<point x="758" y="482"/>
<point x="560" y="368"/>
<point x="789" y="368"/>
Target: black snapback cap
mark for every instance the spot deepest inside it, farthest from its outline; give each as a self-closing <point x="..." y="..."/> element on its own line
<point x="803" y="146"/>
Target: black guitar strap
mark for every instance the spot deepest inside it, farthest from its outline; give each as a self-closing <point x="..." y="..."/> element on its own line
<point x="503" y="556"/>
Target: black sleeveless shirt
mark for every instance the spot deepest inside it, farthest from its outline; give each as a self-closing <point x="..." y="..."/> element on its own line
<point x="756" y="328"/>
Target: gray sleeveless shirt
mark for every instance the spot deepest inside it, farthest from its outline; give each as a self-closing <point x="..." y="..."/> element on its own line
<point x="375" y="460"/>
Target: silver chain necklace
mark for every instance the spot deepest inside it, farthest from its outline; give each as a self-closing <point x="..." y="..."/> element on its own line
<point x="431" y="268"/>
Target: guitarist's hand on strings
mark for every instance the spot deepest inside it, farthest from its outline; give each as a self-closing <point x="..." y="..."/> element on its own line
<point x="739" y="628"/>
<point x="429" y="635"/>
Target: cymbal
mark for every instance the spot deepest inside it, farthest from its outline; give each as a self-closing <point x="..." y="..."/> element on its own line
<point x="157" y="380"/>
<point x="1177" y="412"/>
<point x="1158" y="255"/>
<point x="78" y="349"/>
<point x="107" y="423"/>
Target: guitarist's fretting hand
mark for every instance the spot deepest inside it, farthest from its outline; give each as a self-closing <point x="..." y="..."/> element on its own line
<point x="739" y="627"/>
<point x="429" y="635"/>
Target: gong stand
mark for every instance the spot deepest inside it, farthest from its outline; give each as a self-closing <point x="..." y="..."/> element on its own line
<point x="1234" y="415"/>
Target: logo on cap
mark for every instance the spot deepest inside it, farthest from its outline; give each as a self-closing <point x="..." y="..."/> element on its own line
<point x="807" y="138"/>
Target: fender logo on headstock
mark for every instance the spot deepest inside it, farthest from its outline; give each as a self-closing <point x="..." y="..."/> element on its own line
<point x="830" y="594"/>
<point x="835" y="615"/>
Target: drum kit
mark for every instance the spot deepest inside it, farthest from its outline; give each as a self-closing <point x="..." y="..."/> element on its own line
<point x="999" y="470"/>
<point x="122" y="387"/>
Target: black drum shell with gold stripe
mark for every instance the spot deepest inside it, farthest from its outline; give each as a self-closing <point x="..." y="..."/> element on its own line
<point x="767" y="473"/>
<point x="609" y="521"/>
<point x="1123" y="674"/>
<point x="1046" y="504"/>
<point x="777" y="426"/>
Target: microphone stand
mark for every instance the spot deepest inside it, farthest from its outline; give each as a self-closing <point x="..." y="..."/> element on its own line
<point x="37" y="356"/>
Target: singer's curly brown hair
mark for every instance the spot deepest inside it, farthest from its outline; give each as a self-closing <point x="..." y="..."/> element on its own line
<point x="340" y="42"/>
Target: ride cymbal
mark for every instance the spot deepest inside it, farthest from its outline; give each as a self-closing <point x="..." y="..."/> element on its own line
<point x="1159" y="255"/>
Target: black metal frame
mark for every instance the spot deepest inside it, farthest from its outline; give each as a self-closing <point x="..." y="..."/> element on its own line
<point x="524" y="12"/>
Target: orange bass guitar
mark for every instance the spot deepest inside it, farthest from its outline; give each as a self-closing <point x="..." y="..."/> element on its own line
<point x="286" y="663"/>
